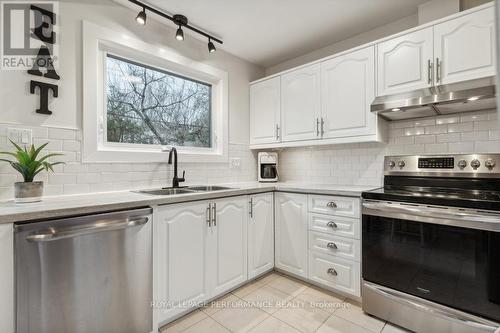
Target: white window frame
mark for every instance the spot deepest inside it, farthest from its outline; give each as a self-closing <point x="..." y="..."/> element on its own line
<point x="97" y="43"/>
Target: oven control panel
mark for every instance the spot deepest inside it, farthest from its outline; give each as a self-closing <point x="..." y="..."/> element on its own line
<point x="473" y="165"/>
<point x="436" y="163"/>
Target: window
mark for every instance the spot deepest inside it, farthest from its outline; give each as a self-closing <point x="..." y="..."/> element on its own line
<point x="141" y="97"/>
<point x="146" y="105"/>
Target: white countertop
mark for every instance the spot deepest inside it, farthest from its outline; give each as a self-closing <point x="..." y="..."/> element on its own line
<point x="59" y="206"/>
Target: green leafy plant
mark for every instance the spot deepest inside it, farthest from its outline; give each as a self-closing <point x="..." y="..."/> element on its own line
<point x="26" y="162"/>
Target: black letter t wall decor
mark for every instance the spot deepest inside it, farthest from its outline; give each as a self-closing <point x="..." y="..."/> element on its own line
<point x="44" y="20"/>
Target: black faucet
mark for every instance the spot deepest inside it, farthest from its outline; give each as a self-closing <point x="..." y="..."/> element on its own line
<point x="176" y="180"/>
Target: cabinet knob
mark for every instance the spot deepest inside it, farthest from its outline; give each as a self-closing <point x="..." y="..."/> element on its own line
<point x="332" y="246"/>
<point x="331" y="224"/>
<point x="332" y="271"/>
<point x="331" y="204"/>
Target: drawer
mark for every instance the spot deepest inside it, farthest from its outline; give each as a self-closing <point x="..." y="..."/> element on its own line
<point x="341" y="247"/>
<point x="333" y="205"/>
<point x="335" y="225"/>
<point x="336" y="273"/>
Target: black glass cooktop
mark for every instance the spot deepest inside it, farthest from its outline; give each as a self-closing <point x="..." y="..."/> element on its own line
<point x="467" y="193"/>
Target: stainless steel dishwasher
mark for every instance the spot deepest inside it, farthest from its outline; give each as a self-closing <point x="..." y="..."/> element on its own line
<point x="87" y="274"/>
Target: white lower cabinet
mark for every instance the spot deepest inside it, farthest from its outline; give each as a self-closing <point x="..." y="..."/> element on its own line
<point x="227" y="244"/>
<point x="7" y="303"/>
<point x="291" y="233"/>
<point x="180" y="259"/>
<point x="200" y="252"/>
<point x="334" y="272"/>
<point x="260" y="234"/>
<point x="334" y="242"/>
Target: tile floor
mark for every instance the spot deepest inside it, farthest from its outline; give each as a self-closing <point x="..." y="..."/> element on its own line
<point x="276" y="303"/>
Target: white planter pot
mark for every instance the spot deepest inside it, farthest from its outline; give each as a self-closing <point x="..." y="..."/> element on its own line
<point x="28" y="192"/>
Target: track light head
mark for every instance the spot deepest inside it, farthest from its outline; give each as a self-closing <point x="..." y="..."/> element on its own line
<point x="211" y="46"/>
<point x="141" y="17"/>
<point x="181" y="21"/>
<point x="179" y="35"/>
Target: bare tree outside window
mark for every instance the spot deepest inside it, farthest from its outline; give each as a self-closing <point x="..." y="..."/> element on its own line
<point x="146" y="105"/>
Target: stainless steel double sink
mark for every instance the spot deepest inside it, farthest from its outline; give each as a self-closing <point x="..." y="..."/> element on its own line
<point x="184" y="190"/>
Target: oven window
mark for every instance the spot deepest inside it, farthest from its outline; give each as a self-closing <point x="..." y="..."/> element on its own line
<point x="453" y="266"/>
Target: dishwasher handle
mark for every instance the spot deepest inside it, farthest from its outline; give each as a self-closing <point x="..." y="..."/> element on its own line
<point x="53" y="233"/>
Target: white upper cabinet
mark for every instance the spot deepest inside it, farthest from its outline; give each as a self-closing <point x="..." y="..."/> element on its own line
<point x="300" y="104"/>
<point x="405" y="62"/>
<point x="347" y="90"/>
<point x="464" y="48"/>
<point x="260" y="234"/>
<point x="227" y="244"/>
<point x="291" y="233"/>
<point x="265" y="111"/>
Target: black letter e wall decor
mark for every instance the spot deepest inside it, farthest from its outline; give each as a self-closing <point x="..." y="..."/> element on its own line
<point x="44" y="22"/>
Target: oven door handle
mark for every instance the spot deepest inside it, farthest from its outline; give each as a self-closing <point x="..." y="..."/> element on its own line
<point x="434" y="214"/>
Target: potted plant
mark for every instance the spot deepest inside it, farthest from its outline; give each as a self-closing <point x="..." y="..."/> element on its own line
<point x="27" y="164"/>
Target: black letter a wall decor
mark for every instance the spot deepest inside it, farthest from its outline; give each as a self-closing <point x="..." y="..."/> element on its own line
<point x="44" y="59"/>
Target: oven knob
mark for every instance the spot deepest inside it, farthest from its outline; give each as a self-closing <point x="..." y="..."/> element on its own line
<point x="392" y="164"/>
<point x="462" y="164"/>
<point x="475" y="164"/>
<point x="401" y="164"/>
<point x="490" y="163"/>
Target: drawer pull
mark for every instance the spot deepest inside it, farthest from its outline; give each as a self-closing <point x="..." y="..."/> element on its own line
<point x="332" y="224"/>
<point x="332" y="246"/>
<point x="331" y="204"/>
<point x="332" y="271"/>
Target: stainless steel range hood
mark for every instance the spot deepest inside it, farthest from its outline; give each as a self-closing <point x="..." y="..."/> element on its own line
<point x="472" y="95"/>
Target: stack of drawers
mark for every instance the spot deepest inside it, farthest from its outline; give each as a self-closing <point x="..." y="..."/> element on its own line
<point x="334" y="242"/>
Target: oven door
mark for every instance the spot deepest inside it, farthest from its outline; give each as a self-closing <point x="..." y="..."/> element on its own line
<point x="426" y="251"/>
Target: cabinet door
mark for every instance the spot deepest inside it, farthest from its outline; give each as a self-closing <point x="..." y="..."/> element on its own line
<point x="403" y="63"/>
<point x="227" y="261"/>
<point x="7" y="290"/>
<point x="300" y="104"/>
<point x="291" y="233"/>
<point x="347" y="90"/>
<point x="465" y="47"/>
<point x="179" y="258"/>
<point x="265" y="111"/>
<point x="260" y="234"/>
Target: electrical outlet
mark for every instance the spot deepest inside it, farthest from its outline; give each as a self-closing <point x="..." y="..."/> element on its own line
<point x="235" y="163"/>
<point x="21" y="136"/>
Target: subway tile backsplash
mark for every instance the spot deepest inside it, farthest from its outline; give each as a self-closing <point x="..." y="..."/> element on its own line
<point x="75" y="177"/>
<point x="357" y="164"/>
<point x="362" y="164"/>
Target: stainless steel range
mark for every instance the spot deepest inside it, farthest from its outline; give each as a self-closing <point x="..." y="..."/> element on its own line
<point x="431" y="244"/>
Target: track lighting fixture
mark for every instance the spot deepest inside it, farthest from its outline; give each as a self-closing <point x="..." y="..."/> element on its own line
<point x="180" y="20"/>
<point x="211" y="46"/>
<point x="141" y="17"/>
<point x="179" y="35"/>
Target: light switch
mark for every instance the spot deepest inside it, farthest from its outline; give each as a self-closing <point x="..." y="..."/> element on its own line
<point x="21" y="136"/>
<point x="235" y="163"/>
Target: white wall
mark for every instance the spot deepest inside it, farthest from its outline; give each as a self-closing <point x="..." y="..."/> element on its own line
<point x="63" y="128"/>
<point x="435" y="9"/>
<point x="363" y="38"/>
<point x="362" y="164"/>
<point x="18" y="104"/>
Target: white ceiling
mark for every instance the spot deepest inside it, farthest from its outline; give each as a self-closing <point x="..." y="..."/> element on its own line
<point x="268" y="32"/>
